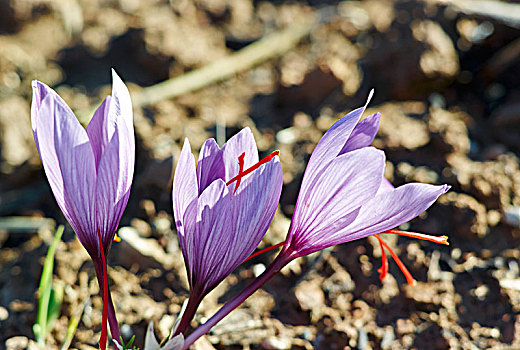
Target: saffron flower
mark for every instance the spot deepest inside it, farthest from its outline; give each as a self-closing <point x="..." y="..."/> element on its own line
<point x="90" y="171"/>
<point x="343" y="197"/>
<point x="223" y="206"/>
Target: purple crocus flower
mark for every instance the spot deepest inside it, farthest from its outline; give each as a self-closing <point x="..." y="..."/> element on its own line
<point x="90" y="171"/>
<point x="344" y="195"/>
<point x="221" y="210"/>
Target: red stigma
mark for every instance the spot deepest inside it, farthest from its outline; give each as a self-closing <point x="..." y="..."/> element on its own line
<point x="383" y="270"/>
<point x="265" y="250"/>
<point x="242" y="172"/>
<point x="103" y="338"/>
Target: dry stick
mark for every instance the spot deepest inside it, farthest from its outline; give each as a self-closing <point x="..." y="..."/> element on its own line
<point x="268" y="47"/>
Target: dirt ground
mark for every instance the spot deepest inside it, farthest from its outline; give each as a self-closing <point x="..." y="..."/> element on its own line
<point x="446" y="82"/>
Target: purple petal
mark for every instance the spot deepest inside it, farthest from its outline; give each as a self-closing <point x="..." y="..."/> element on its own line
<point x="210" y="165"/>
<point x="97" y="130"/>
<point x="114" y="179"/>
<point x="253" y="208"/>
<point x="331" y="144"/>
<point x="391" y="209"/>
<point x="120" y="113"/>
<point x="40" y="91"/>
<point x="385" y="186"/>
<point x="111" y="134"/>
<point x="330" y="204"/>
<point x="207" y="239"/>
<point x="68" y="161"/>
<point x="185" y="189"/>
<point x="363" y="133"/>
<point x="243" y="142"/>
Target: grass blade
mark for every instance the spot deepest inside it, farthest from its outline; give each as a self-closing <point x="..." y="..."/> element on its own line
<point x="41" y="327"/>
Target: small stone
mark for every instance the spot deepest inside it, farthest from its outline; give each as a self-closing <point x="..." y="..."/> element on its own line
<point x="388" y="338"/>
<point x="4" y="314"/>
<point x="17" y="343"/>
<point x="309" y="295"/>
<point x="512" y="216"/>
<point x="287" y="136"/>
<point x="362" y="339"/>
<point x="276" y="343"/>
<point x="258" y="269"/>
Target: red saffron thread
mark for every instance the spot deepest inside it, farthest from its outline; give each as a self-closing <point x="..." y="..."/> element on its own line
<point x="103" y="338"/>
<point x="404" y="270"/>
<point x="265" y="250"/>
<point x="434" y="239"/>
<point x="242" y="173"/>
<point x="383" y="270"/>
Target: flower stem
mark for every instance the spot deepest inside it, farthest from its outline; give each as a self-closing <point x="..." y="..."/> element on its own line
<point x="103" y="338"/>
<point x="189" y="313"/>
<point x="281" y="260"/>
<point x="112" y="320"/>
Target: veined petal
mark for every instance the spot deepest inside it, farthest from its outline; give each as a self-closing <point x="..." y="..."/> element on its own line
<point x="69" y="164"/>
<point x="120" y="113"/>
<point x="392" y="208"/>
<point x="114" y="180"/>
<point x="97" y="130"/>
<point x="115" y="109"/>
<point x="207" y="238"/>
<point x="210" y="165"/>
<point x="252" y="210"/>
<point x="185" y="188"/>
<point x="330" y="204"/>
<point x="385" y="186"/>
<point x="243" y="142"/>
<point x="363" y="133"/>
<point x="40" y="91"/>
<point x="330" y="145"/>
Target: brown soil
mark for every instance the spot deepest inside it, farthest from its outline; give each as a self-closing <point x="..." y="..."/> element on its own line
<point x="446" y="84"/>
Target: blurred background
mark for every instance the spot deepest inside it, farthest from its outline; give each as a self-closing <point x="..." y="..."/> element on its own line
<point x="446" y="78"/>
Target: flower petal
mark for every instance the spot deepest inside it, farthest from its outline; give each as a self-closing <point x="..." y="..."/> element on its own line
<point x="97" y="130"/>
<point x="111" y="134"/>
<point x="253" y="208"/>
<point x="68" y="161"/>
<point x="210" y="165"/>
<point x="243" y="142"/>
<point x="114" y="180"/>
<point x="207" y="236"/>
<point x="392" y="208"/>
<point x="385" y="186"/>
<point x="40" y="91"/>
<point x="330" y="204"/>
<point x="185" y="189"/>
<point x="331" y="144"/>
<point x="363" y="133"/>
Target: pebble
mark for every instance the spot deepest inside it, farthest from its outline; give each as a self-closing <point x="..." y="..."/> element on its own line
<point x="512" y="216"/>
<point x="4" y="314"/>
<point x="17" y="343"/>
<point x="258" y="269"/>
<point x="362" y="339"/>
<point x="287" y="136"/>
<point x="276" y="343"/>
<point x="388" y="338"/>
